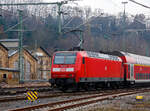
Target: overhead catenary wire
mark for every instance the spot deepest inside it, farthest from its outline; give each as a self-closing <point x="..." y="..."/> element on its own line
<point x="140" y="4"/>
<point x="7" y="12"/>
<point x="90" y="19"/>
<point x="77" y="27"/>
<point x="10" y="28"/>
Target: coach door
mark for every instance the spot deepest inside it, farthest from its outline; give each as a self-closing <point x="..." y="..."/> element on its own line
<point x="132" y="72"/>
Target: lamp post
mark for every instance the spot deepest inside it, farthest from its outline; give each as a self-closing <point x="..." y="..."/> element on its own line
<point x="124" y="12"/>
<point x="20" y="34"/>
<point x="124" y="20"/>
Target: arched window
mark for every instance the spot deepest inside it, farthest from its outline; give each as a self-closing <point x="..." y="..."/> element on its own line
<point x="1" y="61"/>
<point x="28" y="70"/>
<point x="44" y="75"/>
<point x="16" y="65"/>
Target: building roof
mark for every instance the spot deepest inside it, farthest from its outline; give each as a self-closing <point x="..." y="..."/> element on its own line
<point x="45" y="51"/>
<point x="12" y="52"/>
<point x="31" y="54"/>
<point x="9" y="69"/>
<point x="4" y="46"/>
<point x="9" y="40"/>
<point x="10" y="43"/>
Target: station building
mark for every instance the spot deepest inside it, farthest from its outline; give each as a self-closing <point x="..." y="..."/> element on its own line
<point x="36" y="63"/>
<point x="29" y="64"/>
<point x="43" y="64"/>
<point x="7" y="75"/>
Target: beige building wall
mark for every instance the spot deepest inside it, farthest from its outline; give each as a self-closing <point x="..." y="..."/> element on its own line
<point x="44" y="64"/>
<point x="30" y="65"/>
<point x="9" y="77"/>
<point x="3" y="57"/>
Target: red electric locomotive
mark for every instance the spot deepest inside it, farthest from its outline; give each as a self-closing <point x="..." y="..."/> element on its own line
<point x="86" y="69"/>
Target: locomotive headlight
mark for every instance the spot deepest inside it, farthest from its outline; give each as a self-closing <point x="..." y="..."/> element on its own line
<point x="69" y="69"/>
<point x="56" y="69"/>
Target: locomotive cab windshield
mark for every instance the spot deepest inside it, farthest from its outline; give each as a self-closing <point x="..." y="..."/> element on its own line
<point x="65" y="58"/>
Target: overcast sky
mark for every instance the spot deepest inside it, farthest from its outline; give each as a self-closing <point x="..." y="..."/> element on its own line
<point x="114" y="6"/>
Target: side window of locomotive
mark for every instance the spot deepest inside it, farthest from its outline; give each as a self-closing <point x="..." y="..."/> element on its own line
<point x="83" y="60"/>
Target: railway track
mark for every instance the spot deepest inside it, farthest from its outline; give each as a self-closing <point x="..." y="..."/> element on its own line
<point x="82" y="101"/>
<point x="19" y="90"/>
<point x="45" y="95"/>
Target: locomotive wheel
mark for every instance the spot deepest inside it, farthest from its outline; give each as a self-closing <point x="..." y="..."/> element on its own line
<point x="64" y="88"/>
<point x="86" y="87"/>
<point x="108" y="85"/>
<point x="96" y="87"/>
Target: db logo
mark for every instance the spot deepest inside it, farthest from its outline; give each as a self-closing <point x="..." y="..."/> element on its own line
<point x="62" y="69"/>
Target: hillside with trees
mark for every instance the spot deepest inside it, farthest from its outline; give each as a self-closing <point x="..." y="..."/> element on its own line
<point x="101" y="30"/>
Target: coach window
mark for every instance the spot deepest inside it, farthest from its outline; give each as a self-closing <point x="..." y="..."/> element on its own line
<point x="141" y="76"/>
<point x="146" y="76"/>
<point x="138" y="76"/>
<point x="83" y="60"/>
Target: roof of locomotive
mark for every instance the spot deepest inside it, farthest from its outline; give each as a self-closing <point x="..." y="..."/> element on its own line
<point x="94" y="55"/>
<point x="125" y="57"/>
<point x="102" y="56"/>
